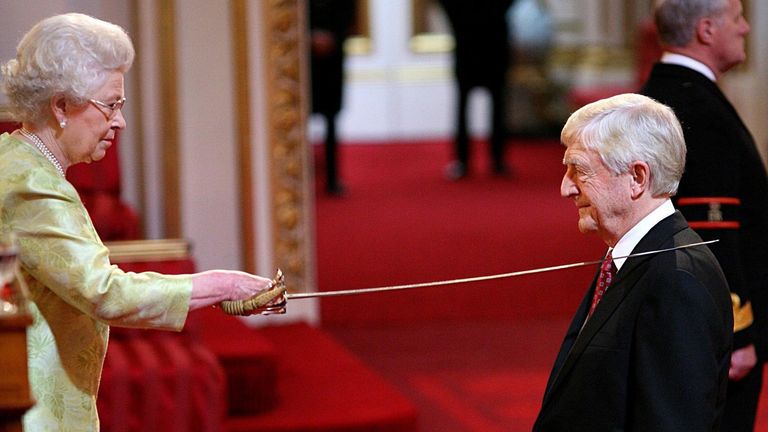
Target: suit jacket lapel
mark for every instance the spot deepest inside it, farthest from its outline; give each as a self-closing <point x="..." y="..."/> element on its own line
<point x="576" y="342"/>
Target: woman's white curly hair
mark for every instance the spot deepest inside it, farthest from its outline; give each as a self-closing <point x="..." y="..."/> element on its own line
<point x="71" y="55"/>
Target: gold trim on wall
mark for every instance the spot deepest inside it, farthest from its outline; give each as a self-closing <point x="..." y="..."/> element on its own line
<point x="422" y="40"/>
<point x="137" y="102"/>
<point x="166" y="11"/>
<point x="357" y="45"/>
<point x="283" y="35"/>
<point x="431" y="43"/>
<point x="5" y="113"/>
<point x="362" y="20"/>
<point x="239" y="15"/>
<point x="360" y="43"/>
<point x="147" y="250"/>
<point x="419" y="17"/>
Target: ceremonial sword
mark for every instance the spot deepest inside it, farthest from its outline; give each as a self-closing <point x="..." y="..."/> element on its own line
<point x="259" y="303"/>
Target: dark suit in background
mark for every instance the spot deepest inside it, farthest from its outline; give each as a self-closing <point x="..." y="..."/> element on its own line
<point x="646" y="359"/>
<point x="723" y="162"/>
<point x="481" y="60"/>
<point x="330" y="22"/>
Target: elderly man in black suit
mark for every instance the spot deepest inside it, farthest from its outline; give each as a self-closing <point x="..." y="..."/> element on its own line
<point x="649" y="346"/>
<point x="724" y="191"/>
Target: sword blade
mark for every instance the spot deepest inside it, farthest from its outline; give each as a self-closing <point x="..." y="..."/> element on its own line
<point x="339" y="293"/>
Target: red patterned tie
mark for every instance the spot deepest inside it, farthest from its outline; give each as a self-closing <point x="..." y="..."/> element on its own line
<point x="603" y="282"/>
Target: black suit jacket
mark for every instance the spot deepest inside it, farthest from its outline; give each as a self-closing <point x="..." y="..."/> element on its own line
<point x="722" y="161"/>
<point x="327" y="71"/>
<point x="654" y="356"/>
<point x="480" y="30"/>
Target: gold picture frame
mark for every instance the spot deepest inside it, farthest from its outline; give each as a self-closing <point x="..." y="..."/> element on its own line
<point x="424" y="38"/>
<point x="360" y="43"/>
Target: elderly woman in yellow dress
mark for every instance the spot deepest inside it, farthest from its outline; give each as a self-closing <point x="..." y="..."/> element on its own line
<point x="66" y="87"/>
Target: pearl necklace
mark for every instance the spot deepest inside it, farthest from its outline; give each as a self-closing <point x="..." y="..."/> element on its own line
<point x="43" y="149"/>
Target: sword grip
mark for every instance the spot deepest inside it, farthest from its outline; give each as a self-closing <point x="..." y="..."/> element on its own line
<point x="263" y="302"/>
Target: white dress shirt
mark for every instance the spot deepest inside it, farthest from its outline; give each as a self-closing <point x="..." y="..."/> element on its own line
<point x="690" y="63"/>
<point x="629" y="240"/>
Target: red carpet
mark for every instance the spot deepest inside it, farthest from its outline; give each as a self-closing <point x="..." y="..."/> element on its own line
<point x="323" y="388"/>
<point x="463" y="375"/>
<point x="472" y="357"/>
<point x="402" y="222"/>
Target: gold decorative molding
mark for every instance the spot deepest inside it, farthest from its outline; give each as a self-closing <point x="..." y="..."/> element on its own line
<point x="284" y="29"/>
<point x="166" y="11"/>
<point x="5" y="113"/>
<point x="360" y="43"/>
<point x="147" y="250"/>
<point x="425" y="40"/>
<point x="137" y="120"/>
<point x="431" y="43"/>
<point x="594" y="58"/>
<point x="242" y="95"/>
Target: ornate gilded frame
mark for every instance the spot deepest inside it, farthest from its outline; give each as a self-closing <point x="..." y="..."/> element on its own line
<point x="283" y="30"/>
<point x="360" y="43"/>
<point x="422" y="39"/>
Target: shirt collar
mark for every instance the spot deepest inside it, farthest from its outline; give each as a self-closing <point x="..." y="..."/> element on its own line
<point x="629" y="240"/>
<point x="682" y="60"/>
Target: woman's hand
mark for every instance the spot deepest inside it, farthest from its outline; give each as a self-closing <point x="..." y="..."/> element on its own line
<point x="213" y="287"/>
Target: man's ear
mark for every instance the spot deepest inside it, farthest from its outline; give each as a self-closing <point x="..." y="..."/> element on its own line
<point x="641" y="178"/>
<point x="705" y="31"/>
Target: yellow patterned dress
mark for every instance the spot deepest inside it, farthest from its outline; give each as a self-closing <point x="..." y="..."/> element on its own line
<point x="76" y="294"/>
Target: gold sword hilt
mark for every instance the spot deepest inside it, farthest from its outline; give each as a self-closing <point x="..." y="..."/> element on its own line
<point x="269" y="302"/>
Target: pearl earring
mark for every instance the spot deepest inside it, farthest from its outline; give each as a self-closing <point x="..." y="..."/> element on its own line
<point x="63" y="123"/>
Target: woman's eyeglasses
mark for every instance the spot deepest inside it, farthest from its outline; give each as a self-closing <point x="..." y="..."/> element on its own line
<point x="113" y="107"/>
